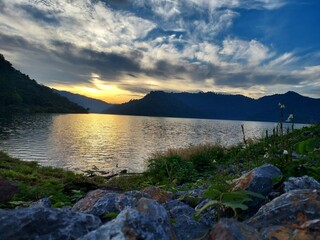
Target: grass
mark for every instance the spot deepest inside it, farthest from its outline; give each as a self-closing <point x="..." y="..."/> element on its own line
<point x="36" y="182"/>
<point x="296" y="154"/>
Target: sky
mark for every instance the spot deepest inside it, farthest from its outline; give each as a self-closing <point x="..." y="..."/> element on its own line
<point x="118" y="50"/>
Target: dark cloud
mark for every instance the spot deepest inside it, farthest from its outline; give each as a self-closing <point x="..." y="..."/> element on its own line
<point x="38" y="14"/>
<point x="12" y="43"/>
<point x="110" y="65"/>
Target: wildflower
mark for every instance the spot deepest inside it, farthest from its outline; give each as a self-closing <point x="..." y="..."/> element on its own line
<point x="266" y="155"/>
<point x="285" y="152"/>
<point x="282" y="106"/>
<point x="290" y="118"/>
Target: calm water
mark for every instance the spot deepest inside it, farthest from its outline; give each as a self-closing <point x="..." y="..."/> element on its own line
<point x="82" y="141"/>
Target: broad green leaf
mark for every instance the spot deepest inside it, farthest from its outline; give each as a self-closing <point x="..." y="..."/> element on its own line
<point x="254" y="194"/>
<point x="235" y="205"/>
<point x="212" y="193"/>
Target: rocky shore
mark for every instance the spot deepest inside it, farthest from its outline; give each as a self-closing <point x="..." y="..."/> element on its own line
<point x="288" y="211"/>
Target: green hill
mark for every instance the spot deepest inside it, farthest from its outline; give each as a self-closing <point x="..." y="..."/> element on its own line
<point x="20" y="94"/>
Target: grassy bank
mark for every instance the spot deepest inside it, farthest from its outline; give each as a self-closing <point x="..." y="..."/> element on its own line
<point x="296" y="154"/>
<point x="35" y="182"/>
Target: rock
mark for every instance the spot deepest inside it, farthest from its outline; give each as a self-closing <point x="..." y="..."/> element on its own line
<point x="191" y="197"/>
<point x="184" y="224"/>
<point x="45" y="223"/>
<point x="304" y="182"/>
<point x="310" y="230"/>
<point x="129" y="224"/>
<point x="154" y="211"/>
<point x="129" y="199"/>
<point x="86" y="204"/>
<point x="137" y="194"/>
<point x="158" y="194"/>
<point x="124" y="201"/>
<point x="258" y="180"/>
<point x="231" y="229"/>
<point x="105" y="205"/>
<point x="7" y="190"/>
<point x="42" y="203"/>
<point x="289" y="211"/>
<point x="172" y="203"/>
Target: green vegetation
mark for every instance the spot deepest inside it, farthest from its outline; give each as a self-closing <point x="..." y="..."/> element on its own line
<point x="36" y="182"/>
<point x="20" y="94"/>
<point x="223" y="199"/>
<point x="296" y="154"/>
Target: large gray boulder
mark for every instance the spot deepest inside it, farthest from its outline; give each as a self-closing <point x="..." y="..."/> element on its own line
<point x="130" y="224"/>
<point x="290" y="212"/>
<point x="45" y="223"/>
<point x="259" y="180"/>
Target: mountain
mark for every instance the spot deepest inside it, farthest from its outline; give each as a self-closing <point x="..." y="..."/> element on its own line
<point x="91" y="104"/>
<point x="222" y="106"/>
<point x="19" y="93"/>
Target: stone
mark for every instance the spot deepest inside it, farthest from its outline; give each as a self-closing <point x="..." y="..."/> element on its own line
<point x="137" y="194"/>
<point x="129" y="224"/>
<point x="231" y="229"/>
<point x="158" y="194"/>
<point x="310" y="230"/>
<point x="105" y="205"/>
<point x="259" y="180"/>
<point x="154" y="211"/>
<point x="286" y="213"/>
<point x="45" y="223"/>
<point x="86" y="204"/>
<point x="191" y="197"/>
<point x="42" y="203"/>
<point x="304" y="182"/>
<point x="184" y="224"/>
<point x="7" y="190"/>
<point x="124" y="201"/>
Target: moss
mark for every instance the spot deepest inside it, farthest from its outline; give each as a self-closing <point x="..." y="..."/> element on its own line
<point x="36" y="182"/>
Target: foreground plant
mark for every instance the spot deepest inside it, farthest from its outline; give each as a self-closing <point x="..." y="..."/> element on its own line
<point x="224" y="200"/>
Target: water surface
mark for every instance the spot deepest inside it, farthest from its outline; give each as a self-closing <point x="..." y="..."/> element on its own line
<point x="81" y="141"/>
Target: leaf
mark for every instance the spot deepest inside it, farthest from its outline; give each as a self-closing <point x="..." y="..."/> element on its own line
<point x="254" y="194"/>
<point x="212" y="193"/>
<point x="209" y="204"/>
<point x="235" y="205"/>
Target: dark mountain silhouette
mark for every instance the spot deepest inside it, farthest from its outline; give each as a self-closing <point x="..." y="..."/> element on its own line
<point x="222" y="106"/>
<point x="91" y="104"/>
<point x="19" y="93"/>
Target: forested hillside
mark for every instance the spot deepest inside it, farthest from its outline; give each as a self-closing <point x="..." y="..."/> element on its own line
<point x="19" y="93"/>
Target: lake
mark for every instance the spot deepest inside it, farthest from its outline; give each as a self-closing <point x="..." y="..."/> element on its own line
<point x="81" y="141"/>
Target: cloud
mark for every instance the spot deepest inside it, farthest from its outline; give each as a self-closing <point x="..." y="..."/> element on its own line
<point x="144" y="45"/>
<point x="252" y="53"/>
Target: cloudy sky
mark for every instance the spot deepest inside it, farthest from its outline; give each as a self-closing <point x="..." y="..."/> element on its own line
<point x="117" y="50"/>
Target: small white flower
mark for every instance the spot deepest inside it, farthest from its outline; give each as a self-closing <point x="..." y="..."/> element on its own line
<point x="290" y="118"/>
<point x="285" y="152"/>
<point x="266" y="155"/>
<point x="281" y="105"/>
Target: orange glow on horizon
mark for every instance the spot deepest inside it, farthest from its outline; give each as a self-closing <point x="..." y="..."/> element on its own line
<point x="110" y="94"/>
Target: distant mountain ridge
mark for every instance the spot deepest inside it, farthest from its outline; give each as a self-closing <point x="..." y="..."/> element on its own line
<point x="20" y="94"/>
<point x="91" y="104"/>
<point x="222" y="106"/>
